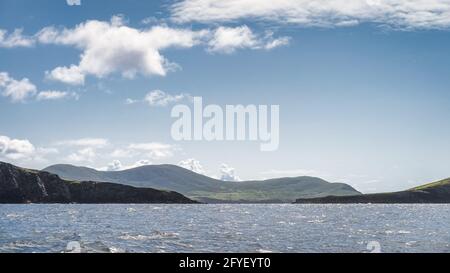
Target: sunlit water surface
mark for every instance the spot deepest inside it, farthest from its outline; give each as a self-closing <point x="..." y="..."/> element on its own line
<point x="225" y="228"/>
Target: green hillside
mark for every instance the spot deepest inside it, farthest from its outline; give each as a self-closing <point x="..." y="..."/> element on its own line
<point x="206" y="189"/>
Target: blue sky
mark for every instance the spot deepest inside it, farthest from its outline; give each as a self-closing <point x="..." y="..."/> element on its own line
<point x="363" y="87"/>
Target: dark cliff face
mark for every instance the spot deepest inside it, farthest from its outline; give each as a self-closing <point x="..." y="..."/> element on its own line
<point x="20" y="186"/>
<point x="94" y="192"/>
<point x="435" y="193"/>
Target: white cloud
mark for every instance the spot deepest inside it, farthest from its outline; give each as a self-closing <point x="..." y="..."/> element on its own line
<point x="228" y="173"/>
<point x="73" y="2"/>
<point x="153" y="150"/>
<point x="122" y="153"/>
<point x="4" y="79"/>
<point x="47" y="151"/>
<point x="85" y="142"/>
<point x="161" y="98"/>
<point x="83" y="155"/>
<point x="16" y="90"/>
<point x="15" y="39"/>
<point x="404" y="14"/>
<point x="19" y="90"/>
<point x="70" y="75"/>
<point x="347" y="23"/>
<point x="116" y="165"/>
<point x="22" y="151"/>
<point x="229" y="39"/>
<point x="153" y="20"/>
<point x="15" y="149"/>
<point x="87" y="148"/>
<point x="137" y="164"/>
<point x="272" y="43"/>
<point x="192" y="165"/>
<point x="56" y="95"/>
<point x="131" y="101"/>
<point x="92" y="150"/>
<point x="24" y="89"/>
<point x="112" y="47"/>
<point x="87" y="151"/>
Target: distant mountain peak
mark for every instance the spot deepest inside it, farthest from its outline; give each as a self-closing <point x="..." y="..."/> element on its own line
<point x="204" y="188"/>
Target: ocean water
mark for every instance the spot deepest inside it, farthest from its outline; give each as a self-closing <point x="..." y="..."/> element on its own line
<point x="225" y="228"/>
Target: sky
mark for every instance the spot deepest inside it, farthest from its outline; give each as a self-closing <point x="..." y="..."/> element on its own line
<point x="362" y="86"/>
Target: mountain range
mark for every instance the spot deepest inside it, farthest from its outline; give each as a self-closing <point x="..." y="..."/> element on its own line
<point x="206" y="189"/>
<point x="160" y="183"/>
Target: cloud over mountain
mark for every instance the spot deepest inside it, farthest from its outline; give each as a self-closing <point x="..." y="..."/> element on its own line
<point x="192" y="165"/>
<point x="15" y="148"/>
<point x="228" y="173"/>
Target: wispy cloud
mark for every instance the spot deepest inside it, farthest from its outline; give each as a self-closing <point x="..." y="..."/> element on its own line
<point x="85" y="142"/>
<point x="161" y="98"/>
<point x="69" y="75"/>
<point x="83" y="155"/>
<point x="22" y="150"/>
<point x="228" y="173"/>
<point x="153" y="150"/>
<point x="56" y="95"/>
<point x="192" y="165"/>
<point x="94" y="151"/>
<point x="23" y="90"/>
<point x="16" y="90"/>
<point x="86" y="148"/>
<point x="403" y="14"/>
<point x="147" y="150"/>
<point x="15" y="39"/>
<point x="73" y="2"/>
<point x="229" y="39"/>
<point x="117" y="165"/>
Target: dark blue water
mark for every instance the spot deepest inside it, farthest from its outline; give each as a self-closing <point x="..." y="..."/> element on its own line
<point x="225" y="228"/>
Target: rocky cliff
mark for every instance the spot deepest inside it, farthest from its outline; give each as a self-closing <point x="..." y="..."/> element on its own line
<point x="18" y="185"/>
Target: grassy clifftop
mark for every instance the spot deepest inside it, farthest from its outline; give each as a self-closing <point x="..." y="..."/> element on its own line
<point x="440" y="183"/>
<point x="437" y="192"/>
